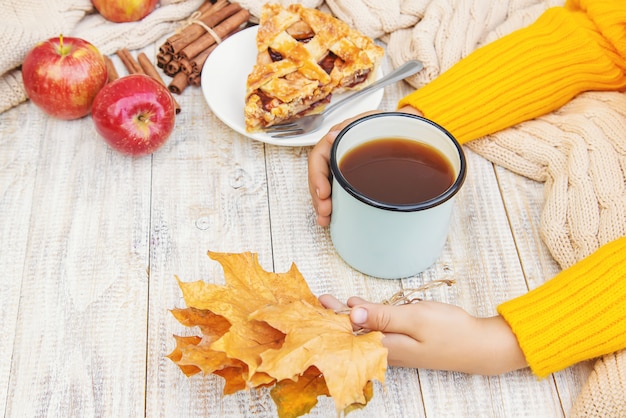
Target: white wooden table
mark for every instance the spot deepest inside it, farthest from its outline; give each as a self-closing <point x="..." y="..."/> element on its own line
<point x="91" y="242"/>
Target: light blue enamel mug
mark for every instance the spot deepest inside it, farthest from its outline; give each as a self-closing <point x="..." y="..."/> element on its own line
<point x="391" y="240"/>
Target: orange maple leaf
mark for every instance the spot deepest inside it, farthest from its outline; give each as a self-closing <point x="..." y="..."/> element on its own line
<point x="319" y="337"/>
<point x="194" y="354"/>
<point x="210" y="324"/>
<point x="294" y="398"/>
<point x="182" y="343"/>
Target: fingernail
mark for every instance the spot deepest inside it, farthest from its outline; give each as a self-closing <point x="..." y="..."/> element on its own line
<point x="317" y="192"/>
<point x="359" y="315"/>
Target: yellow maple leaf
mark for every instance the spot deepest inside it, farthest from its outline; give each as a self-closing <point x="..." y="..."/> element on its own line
<point x="265" y="329"/>
<point x="248" y="288"/>
<point x="319" y="337"/>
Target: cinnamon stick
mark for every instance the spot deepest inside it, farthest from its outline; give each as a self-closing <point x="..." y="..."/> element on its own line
<point x="179" y="83"/>
<point x="185" y="66"/>
<point x="195" y="32"/>
<point x="172" y="67"/>
<point x="204" y="8"/>
<point x="129" y="62"/>
<point x="111" y="71"/>
<point x="165" y="48"/>
<point x="198" y="61"/>
<point x="194" y="80"/>
<point x="148" y="68"/>
<point x="221" y="30"/>
<point x="151" y="71"/>
<point x="163" y="59"/>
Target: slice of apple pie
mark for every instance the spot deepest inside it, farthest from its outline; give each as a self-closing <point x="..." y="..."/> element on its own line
<point x="304" y="56"/>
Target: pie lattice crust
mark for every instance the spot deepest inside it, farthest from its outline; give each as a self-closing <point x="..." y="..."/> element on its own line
<point x="304" y="56"/>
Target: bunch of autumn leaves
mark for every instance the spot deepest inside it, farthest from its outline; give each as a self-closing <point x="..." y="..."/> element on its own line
<point x="264" y="329"/>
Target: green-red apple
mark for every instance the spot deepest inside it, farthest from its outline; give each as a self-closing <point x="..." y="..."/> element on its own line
<point x="124" y="10"/>
<point x="63" y="75"/>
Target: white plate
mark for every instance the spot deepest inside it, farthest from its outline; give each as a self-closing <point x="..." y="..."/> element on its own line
<point x="223" y="83"/>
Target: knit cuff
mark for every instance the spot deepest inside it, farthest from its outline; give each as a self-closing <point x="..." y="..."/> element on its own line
<point x="578" y="315"/>
<point x="523" y="75"/>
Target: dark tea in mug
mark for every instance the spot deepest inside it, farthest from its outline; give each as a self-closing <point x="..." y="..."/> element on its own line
<point x="397" y="171"/>
<point x="394" y="180"/>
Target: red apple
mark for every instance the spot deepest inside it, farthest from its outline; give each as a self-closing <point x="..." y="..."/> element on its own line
<point x="63" y="75"/>
<point x="124" y="10"/>
<point x="134" y="114"/>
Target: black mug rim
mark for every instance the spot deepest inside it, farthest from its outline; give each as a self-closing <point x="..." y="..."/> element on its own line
<point x="412" y="207"/>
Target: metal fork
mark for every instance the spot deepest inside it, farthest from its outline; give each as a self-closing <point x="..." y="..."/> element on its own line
<point x="311" y="123"/>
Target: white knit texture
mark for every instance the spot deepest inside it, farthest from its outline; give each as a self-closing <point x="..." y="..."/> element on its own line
<point x="579" y="152"/>
<point x="603" y="395"/>
<point x="27" y="22"/>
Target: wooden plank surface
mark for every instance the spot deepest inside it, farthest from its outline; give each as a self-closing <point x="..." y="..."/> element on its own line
<point x="93" y="240"/>
<point x="83" y="276"/>
<point x="19" y="152"/>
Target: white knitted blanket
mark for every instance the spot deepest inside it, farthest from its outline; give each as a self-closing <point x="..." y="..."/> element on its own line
<point x="579" y="151"/>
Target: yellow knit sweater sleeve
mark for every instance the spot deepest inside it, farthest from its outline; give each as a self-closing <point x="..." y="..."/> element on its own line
<point x="530" y="72"/>
<point x="578" y="315"/>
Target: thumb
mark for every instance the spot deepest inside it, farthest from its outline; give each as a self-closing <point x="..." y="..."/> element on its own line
<point x="379" y="317"/>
